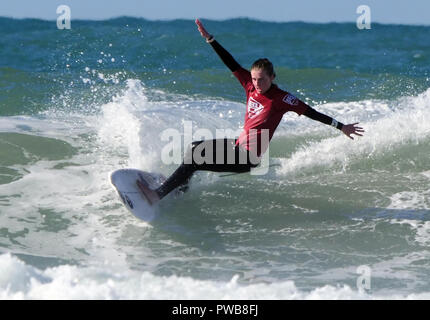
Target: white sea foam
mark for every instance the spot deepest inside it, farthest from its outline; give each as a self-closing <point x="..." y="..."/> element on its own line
<point x="21" y="281"/>
<point x="78" y="192"/>
<point x="133" y="125"/>
<point x="119" y="128"/>
<point x="399" y="122"/>
<point x="127" y="134"/>
<point x="415" y="200"/>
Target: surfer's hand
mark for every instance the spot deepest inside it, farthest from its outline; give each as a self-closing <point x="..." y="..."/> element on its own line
<point x="202" y="30"/>
<point x="349" y="129"/>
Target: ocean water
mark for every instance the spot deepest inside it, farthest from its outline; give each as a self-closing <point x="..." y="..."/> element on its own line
<point x="332" y="219"/>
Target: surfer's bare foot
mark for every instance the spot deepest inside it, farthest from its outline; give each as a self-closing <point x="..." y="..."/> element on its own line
<point x="149" y="194"/>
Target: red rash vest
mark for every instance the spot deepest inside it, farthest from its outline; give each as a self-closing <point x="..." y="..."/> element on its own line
<point x="263" y="111"/>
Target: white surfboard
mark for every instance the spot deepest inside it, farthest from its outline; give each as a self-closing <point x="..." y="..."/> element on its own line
<point x="124" y="181"/>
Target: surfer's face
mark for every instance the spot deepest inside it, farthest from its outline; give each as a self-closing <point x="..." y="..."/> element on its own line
<point x="261" y="80"/>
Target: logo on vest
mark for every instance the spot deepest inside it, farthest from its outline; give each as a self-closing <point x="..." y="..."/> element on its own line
<point x="290" y="99"/>
<point x="254" y="108"/>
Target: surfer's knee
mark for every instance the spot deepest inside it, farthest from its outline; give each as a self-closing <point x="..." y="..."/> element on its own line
<point x="188" y="157"/>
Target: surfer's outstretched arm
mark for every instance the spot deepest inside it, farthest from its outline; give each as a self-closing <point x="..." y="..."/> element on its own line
<point x="347" y="129"/>
<point x="225" y="56"/>
<point x="233" y="65"/>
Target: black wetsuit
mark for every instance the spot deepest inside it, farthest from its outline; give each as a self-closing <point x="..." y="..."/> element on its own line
<point x="234" y="158"/>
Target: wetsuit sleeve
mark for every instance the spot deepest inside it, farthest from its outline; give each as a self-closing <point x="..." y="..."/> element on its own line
<point x="225" y="56"/>
<point x="243" y="75"/>
<point x="315" y="115"/>
<point x="291" y="103"/>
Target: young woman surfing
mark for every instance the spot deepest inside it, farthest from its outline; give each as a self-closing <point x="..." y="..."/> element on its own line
<point x="266" y="104"/>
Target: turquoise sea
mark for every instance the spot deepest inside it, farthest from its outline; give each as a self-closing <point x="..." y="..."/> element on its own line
<point x="332" y="219"/>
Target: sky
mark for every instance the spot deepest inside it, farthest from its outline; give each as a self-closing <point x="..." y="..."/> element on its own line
<point x="382" y="11"/>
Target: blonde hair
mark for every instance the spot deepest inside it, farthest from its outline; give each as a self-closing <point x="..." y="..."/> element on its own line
<point x="264" y="64"/>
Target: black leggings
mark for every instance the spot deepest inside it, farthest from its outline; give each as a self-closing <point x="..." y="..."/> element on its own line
<point x="219" y="155"/>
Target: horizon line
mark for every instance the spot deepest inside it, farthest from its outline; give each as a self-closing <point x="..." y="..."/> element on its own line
<point x="215" y="20"/>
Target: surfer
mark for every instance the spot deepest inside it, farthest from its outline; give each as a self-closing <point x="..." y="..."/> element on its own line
<point x="266" y="104"/>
